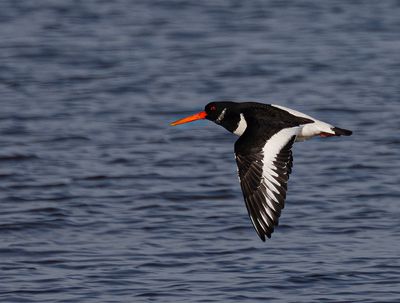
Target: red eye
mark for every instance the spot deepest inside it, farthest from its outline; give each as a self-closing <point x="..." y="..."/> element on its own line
<point x="213" y="108"/>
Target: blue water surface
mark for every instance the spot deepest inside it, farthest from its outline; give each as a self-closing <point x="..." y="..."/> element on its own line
<point x="102" y="201"/>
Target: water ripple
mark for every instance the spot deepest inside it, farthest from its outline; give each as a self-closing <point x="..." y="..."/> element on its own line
<point x="102" y="201"/>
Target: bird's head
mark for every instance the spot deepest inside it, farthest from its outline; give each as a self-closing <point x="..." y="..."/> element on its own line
<point x="224" y="113"/>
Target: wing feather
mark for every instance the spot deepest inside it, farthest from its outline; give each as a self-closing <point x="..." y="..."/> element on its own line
<point x="263" y="174"/>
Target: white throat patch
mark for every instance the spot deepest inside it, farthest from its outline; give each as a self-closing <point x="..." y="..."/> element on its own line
<point x="221" y="116"/>
<point x="241" y="126"/>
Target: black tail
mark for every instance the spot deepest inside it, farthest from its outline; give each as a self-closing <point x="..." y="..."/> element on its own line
<point x="341" y="131"/>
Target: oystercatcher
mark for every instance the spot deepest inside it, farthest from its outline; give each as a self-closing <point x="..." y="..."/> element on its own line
<point x="263" y="151"/>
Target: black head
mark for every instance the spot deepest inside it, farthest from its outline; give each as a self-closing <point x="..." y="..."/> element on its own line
<point x="224" y="113"/>
<point x="216" y="111"/>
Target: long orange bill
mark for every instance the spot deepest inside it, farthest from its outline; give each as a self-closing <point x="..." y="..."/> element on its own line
<point x="198" y="116"/>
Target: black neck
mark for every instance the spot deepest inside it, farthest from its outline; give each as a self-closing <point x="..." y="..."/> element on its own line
<point x="230" y="121"/>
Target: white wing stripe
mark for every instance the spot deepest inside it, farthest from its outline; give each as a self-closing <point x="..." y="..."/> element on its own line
<point x="270" y="202"/>
<point x="293" y="112"/>
<point x="271" y="178"/>
<point x="265" y="219"/>
<point x="268" y="211"/>
<point x="269" y="169"/>
<point x="265" y="198"/>
<point x="270" y="185"/>
<point x="270" y="151"/>
<point x="270" y="194"/>
<point x="274" y="145"/>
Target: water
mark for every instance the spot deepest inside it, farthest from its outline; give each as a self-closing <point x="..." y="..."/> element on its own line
<point x="102" y="201"/>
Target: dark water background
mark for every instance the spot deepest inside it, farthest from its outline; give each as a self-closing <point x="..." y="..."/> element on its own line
<point x="102" y="201"/>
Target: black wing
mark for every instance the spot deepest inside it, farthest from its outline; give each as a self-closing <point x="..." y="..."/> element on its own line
<point x="263" y="173"/>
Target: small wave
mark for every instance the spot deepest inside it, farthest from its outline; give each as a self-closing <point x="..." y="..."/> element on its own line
<point x="18" y="157"/>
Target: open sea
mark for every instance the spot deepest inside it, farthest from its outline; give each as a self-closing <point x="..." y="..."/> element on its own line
<point x="102" y="201"/>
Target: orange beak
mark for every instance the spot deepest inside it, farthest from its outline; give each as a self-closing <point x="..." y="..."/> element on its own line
<point x="198" y="116"/>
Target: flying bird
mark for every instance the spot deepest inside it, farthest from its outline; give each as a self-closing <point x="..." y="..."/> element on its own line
<point x="263" y="151"/>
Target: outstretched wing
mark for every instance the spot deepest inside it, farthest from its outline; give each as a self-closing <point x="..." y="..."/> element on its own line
<point x="264" y="168"/>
